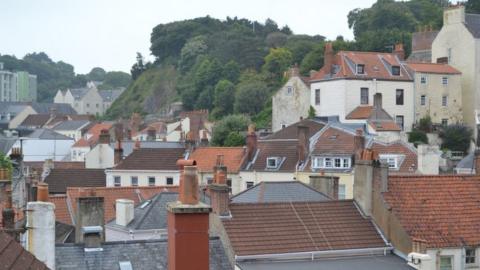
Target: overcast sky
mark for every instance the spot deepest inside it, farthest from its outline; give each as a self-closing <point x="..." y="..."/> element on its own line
<point x="108" y="33"/>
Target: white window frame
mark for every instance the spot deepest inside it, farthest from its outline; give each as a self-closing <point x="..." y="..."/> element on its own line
<point x="444" y="121"/>
<point x="362" y="68"/>
<point x="423" y="79"/>
<point x="364" y="99"/>
<point x="399" y="71"/>
<point x="342" y="191"/>
<point x="474" y="256"/>
<point x="154" y="181"/>
<point x="331" y="162"/>
<point x="115" y="184"/>
<point x="446" y="257"/>
<point x="445" y="80"/>
<point x="318" y="99"/>
<point x="131" y="181"/>
<point x="290" y="90"/>
<point x="275" y="159"/>
<point x="392" y="160"/>
<point x="249" y="184"/>
<point x="423" y="100"/>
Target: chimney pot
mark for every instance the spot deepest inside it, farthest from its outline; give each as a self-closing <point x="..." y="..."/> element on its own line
<point x="104" y="137"/>
<point x="399" y="51"/>
<point x="42" y="192"/>
<point x="124" y="211"/>
<point x="189" y="188"/>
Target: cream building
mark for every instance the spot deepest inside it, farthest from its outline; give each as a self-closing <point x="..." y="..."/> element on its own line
<point x="458" y="44"/>
<point x="438" y="92"/>
<point x="291" y="102"/>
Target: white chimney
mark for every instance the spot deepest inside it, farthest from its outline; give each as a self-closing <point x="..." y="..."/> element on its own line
<point x="124" y="211"/>
<point x="454" y="15"/>
<point x="428" y="159"/>
<point x="41" y="231"/>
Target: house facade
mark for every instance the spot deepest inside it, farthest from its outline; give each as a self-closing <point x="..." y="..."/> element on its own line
<point x="458" y="44"/>
<point x="291" y="102"/>
<point x="350" y="79"/>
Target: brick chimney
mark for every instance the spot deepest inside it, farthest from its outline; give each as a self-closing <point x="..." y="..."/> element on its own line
<point x="219" y="190"/>
<point x="326" y="184"/>
<point x="358" y="143"/>
<point x="90" y="212"/>
<point x="251" y="142"/>
<point x="8" y="214"/>
<point x="40" y="234"/>
<point x="328" y="58"/>
<point x="118" y="153"/>
<point x="399" y="51"/>
<point x="303" y="143"/>
<point x="181" y="163"/>
<point x="104" y="137"/>
<point x="188" y="226"/>
<point x="204" y="139"/>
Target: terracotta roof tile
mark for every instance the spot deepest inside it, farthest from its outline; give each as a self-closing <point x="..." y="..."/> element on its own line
<point x="206" y="157"/>
<point x="14" y="256"/>
<point x="360" y="112"/>
<point x="384" y="125"/>
<point x="286" y="150"/>
<point x="62" y="214"/>
<point x="433" y="68"/>
<point x="442" y="210"/>
<point x="271" y="228"/>
<point x="95" y="130"/>
<point x="152" y="159"/>
<point x="81" y="143"/>
<point x="290" y="132"/>
<point x="334" y="141"/>
<point x="409" y="163"/>
<point x="59" y="179"/>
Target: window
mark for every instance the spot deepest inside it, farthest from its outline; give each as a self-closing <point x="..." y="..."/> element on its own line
<point x="444" y="122"/>
<point x="469" y="255"/>
<point x="391" y="160"/>
<point x="151" y="181"/>
<point x="134" y="181"/>
<point x="423" y="79"/>
<point x="341" y="192"/>
<point x="360" y="69"/>
<point x="170" y="180"/>
<point x="317" y="162"/>
<point x="289" y="90"/>
<point x="116" y="181"/>
<point x="399" y="121"/>
<point x="272" y="162"/>
<point x="317" y="96"/>
<point x="396" y="70"/>
<point x="249" y="184"/>
<point x="338" y="162"/>
<point x="346" y="163"/>
<point x="444" y="101"/>
<point x="229" y="182"/>
<point x="446" y="263"/>
<point x="444" y="80"/>
<point x="399" y="97"/>
<point x="423" y="100"/>
<point x="284" y="126"/>
<point x="364" y="96"/>
<point x="328" y="163"/>
<point x="209" y="180"/>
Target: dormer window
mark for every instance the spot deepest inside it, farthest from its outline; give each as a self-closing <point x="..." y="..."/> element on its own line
<point x="396" y="70"/>
<point x="272" y="162"/>
<point x="360" y="69"/>
<point x="391" y="160"/>
<point x="331" y="162"/>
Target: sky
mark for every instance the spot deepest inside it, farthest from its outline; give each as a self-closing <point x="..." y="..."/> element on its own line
<point x="108" y="33"/>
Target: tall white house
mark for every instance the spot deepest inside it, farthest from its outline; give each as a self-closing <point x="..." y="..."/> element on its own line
<point x="458" y="44"/>
<point x="351" y="79"/>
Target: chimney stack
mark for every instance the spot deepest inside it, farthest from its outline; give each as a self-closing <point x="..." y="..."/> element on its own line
<point x="328" y="58"/>
<point x="399" y="51"/>
<point x="90" y="212"/>
<point x="40" y="235"/>
<point x="328" y="185"/>
<point x="118" y="153"/>
<point x="204" y="139"/>
<point x="188" y="225"/>
<point x="136" y="146"/>
<point x="303" y="143"/>
<point x="358" y="143"/>
<point x="219" y="190"/>
<point x="104" y="137"/>
<point x="8" y="215"/>
<point x="251" y="142"/>
<point x="123" y="211"/>
<point x="428" y="159"/>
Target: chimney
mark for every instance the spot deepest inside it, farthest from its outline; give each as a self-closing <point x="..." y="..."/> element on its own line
<point x="53" y="112"/>
<point x="118" y="152"/>
<point x="190" y="141"/>
<point x="40" y="234"/>
<point x="92" y="238"/>
<point x="303" y="143"/>
<point x="399" y="51"/>
<point x="294" y="71"/>
<point x="8" y="215"/>
<point x="204" y="140"/>
<point x="42" y="192"/>
<point x="188" y="226"/>
<point x="123" y="211"/>
<point x="129" y="134"/>
<point x="328" y="58"/>
<point x="181" y="163"/>
<point x="358" y="143"/>
<point x="454" y="15"/>
<point x="219" y="190"/>
<point x="90" y="212"/>
<point x="104" y="137"/>
<point x="151" y="134"/>
<point x="251" y="142"/>
<point x="328" y="185"/>
<point x="48" y="166"/>
<point x="428" y="159"/>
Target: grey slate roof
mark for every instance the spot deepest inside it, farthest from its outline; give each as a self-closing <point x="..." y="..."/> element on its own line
<point x="47" y="134"/>
<point x="466" y="162"/>
<point x="270" y="192"/>
<point x="61" y="108"/>
<point x="71" y="125"/>
<point x="152" y="216"/>
<point x="110" y="95"/>
<point x="142" y="254"/>
<point x="390" y="262"/>
<point x="472" y="22"/>
<point x="6" y="143"/>
<point x="78" y="93"/>
<point x="129" y="145"/>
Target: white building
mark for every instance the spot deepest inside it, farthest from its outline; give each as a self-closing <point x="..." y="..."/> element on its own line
<point x="45" y="144"/>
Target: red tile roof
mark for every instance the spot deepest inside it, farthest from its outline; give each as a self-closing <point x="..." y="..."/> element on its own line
<point x="271" y="228"/>
<point x="290" y="132"/>
<point x="433" y="68"/>
<point x="375" y="67"/>
<point x="206" y="157"/>
<point x="286" y="150"/>
<point x="62" y="214"/>
<point x="360" y="112"/>
<point x="95" y="131"/>
<point x="81" y="143"/>
<point x="409" y="163"/>
<point x="334" y="141"/>
<point x="384" y="125"/>
<point x="442" y="210"/>
<point x="14" y="256"/>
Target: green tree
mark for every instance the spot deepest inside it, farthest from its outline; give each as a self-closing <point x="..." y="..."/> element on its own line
<point x="232" y="123"/>
<point x="417" y="136"/>
<point x="277" y="61"/>
<point x="234" y="139"/>
<point x="250" y="97"/>
<point x="115" y="79"/>
<point x="97" y="74"/>
<point x="473" y="6"/>
<point x="276" y="39"/>
<point x="425" y="124"/>
<point x="311" y="112"/>
<point x="138" y="68"/>
<point x="194" y="47"/>
<point x="208" y="72"/>
<point x="456" y="137"/>
<point x="313" y="60"/>
<point x="224" y="98"/>
<point x="231" y="71"/>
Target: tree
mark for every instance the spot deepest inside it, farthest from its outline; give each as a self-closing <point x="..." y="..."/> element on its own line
<point x="417" y="136"/>
<point x="277" y="61"/>
<point x="233" y="123"/>
<point x="195" y="47"/>
<point x="311" y="112"/>
<point x="231" y="71"/>
<point x="250" y="97"/>
<point x="276" y="39"/>
<point x="425" y="124"/>
<point x="138" y="68"/>
<point x="234" y="139"/>
<point x="473" y="6"/>
<point x="115" y="79"/>
<point x="97" y="74"/>
<point x="224" y="98"/>
<point x="313" y="60"/>
<point x="456" y="137"/>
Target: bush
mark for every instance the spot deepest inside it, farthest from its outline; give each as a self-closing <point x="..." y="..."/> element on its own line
<point x="456" y="137"/>
<point x="234" y="139"/>
<point x="223" y="128"/>
<point x="417" y="137"/>
<point x="425" y="124"/>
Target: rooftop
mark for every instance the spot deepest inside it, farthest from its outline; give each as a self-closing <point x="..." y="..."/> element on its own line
<point x="432" y="68"/>
<point x="284" y="150"/>
<point x="152" y="159"/>
<point x="59" y="180"/>
<point x="206" y="158"/>
<point x="71" y="125"/>
<point x="290" y="132"/>
<point x="14" y="256"/>
<point x="47" y="134"/>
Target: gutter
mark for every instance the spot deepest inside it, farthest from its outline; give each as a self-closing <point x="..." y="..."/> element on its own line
<point x="316" y="254"/>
